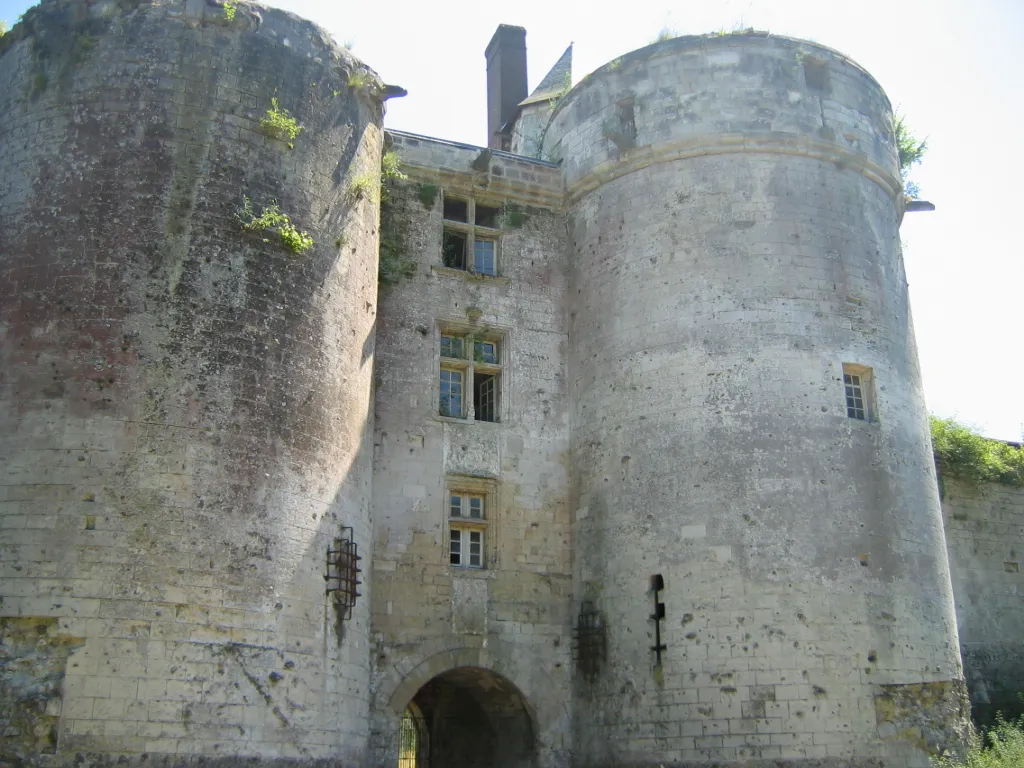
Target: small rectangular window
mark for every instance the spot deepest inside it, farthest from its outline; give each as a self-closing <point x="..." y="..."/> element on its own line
<point x="453" y="250"/>
<point x="487" y="216"/>
<point x="857" y="386"/>
<point x="451" y="393"/>
<point x="452" y="346"/>
<point x="456" y="210"/>
<point x="464" y="505"/>
<point x="466" y="547"/>
<point x="483" y="257"/>
<point x="469" y="521"/>
<point x="854" y="397"/>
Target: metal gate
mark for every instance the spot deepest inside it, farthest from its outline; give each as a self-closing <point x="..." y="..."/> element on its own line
<point x="413" y="741"/>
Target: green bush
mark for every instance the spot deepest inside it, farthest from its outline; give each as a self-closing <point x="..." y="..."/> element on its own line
<point x="279" y="124"/>
<point x="963" y="453"/>
<point x="271" y="219"/>
<point x="1001" y="746"/>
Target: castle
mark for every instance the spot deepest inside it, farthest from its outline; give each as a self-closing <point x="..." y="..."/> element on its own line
<point x="604" y="445"/>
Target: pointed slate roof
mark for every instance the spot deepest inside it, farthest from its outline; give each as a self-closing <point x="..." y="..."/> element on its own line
<point x="554" y="81"/>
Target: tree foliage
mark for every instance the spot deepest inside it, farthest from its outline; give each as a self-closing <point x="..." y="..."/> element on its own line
<point x="911" y="150"/>
<point x="963" y="453"/>
<point x="3" y="27"/>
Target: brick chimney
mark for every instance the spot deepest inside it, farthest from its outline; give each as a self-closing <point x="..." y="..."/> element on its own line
<point x="506" y="80"/>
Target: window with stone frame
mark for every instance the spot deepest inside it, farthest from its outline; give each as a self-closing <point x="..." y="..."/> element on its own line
<point x="469" y="519"/>
<point x="858" y="386"/>
<point x="471" y="236"/>
<point x="470" y="374"/>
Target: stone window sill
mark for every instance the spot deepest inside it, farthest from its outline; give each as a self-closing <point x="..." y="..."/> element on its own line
<point x="461" y="274"/>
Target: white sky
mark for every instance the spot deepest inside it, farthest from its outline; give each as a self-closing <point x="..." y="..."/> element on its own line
<point x="955" y="67"/>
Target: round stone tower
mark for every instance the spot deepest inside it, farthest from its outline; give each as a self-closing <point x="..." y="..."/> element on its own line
<point x="749" y="424"/>
<point x="185" y="381"/>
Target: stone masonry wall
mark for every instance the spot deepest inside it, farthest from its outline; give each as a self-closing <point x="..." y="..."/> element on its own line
<point x="184" y="406"/>
<point x="512" y="616"/>
<point x="734" y="217"/>
<point x="985" y="540"/>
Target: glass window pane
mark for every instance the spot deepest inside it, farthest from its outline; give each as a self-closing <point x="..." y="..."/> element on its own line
<point x="476" y="541"/>
<point x="455" y="506"/>
<point x="455" y="547"/>
<point x="476" y="507"/>
<point x="483" y="257"/>
<point x="486" y="396"/>
<point x="854" y="397"/>
<point x="451" y="346"/>
<point x="451" y="393"/>
<point x="485" y="352"/>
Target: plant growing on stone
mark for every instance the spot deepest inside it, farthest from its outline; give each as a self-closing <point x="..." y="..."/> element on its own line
<point x="358" y="80"/>
<point x="1001" y="746"/>
<point x="393" y="264"/>
<point x="279" y="124"/>
<point x="230" y="9"/>
<point x="427" y="194"/>
<point x="963" y="453"/>
<point x="3" y="28"/>
<point x="362" y="186"/>
<point x="271" y="219"/>
<point x="911" y="151"/>
<point x="390" y="172"/>
<point x="513" y="216"/>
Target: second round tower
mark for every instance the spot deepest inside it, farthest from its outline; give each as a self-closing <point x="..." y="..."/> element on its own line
<point x="749" y="427"/>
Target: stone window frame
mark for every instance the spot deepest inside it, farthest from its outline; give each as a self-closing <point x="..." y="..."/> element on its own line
<point x="468" y="366"/>
<point x="468" y="487"/>
<point x="859" y="393"/>
<point x="472" y="232"/>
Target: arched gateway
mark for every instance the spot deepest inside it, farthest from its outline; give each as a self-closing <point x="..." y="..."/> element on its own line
<point x="467" y="717"/>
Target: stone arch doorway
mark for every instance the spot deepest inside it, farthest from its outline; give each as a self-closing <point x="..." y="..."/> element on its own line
<point x="468" y="717"/>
